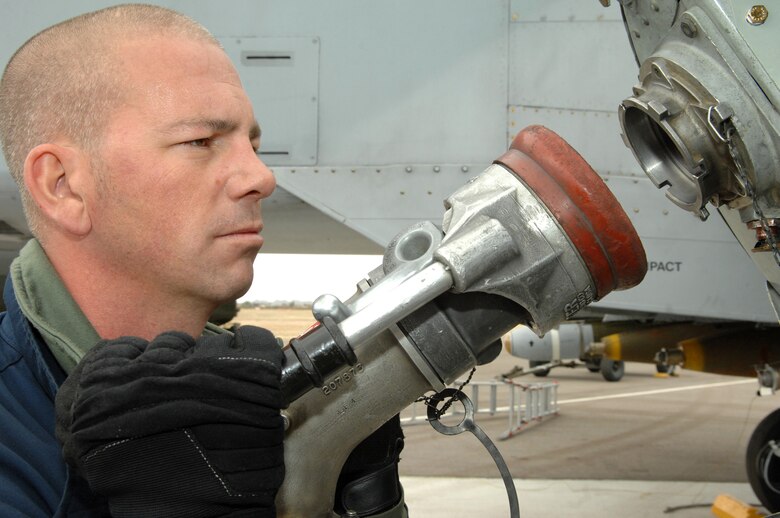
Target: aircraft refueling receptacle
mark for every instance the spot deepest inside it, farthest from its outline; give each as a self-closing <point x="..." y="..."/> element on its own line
<point x="525" y="241"/>
<point x="704" y="123"/>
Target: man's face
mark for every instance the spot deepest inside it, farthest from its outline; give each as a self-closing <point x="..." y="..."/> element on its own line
<point x="179" y="208"/>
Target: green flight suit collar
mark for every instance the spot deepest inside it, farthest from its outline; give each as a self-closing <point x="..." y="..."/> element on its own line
<point x="46" y="303"/>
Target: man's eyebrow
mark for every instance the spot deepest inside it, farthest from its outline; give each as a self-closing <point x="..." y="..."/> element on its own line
<point x="217" y="125"/>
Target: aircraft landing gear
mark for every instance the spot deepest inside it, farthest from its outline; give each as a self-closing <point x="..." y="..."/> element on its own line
<point x="593" y="365"/>
<point x="541" y="373"/>
<point x="763" y="461"/>
<point x="666" y="360"/>
<point x="612" y="370"/>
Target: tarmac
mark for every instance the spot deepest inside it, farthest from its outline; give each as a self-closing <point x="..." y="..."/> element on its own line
<point x="442" y="497"/>
<point x="646" y="446"/>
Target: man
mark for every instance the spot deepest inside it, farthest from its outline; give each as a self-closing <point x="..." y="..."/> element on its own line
<point x="135" y="149"/>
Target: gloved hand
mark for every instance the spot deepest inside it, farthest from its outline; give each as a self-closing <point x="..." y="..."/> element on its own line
<point x="178" y="426"/>
<point x="368" y="483"/>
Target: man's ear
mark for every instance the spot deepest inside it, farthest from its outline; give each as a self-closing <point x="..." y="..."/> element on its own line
<point x="55" y="177"/>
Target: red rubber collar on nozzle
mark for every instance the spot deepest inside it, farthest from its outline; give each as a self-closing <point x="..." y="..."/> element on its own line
<point x="585" y="208"/>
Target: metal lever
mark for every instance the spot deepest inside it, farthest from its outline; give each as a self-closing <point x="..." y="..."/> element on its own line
<point x="468" y="425"/>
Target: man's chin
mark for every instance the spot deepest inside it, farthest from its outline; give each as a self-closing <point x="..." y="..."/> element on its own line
<point x="238" y="287"/>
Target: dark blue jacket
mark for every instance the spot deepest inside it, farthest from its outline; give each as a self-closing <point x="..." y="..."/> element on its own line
<point x="34" y="478"/>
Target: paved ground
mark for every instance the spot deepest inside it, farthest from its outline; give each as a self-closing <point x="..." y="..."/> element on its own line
<point x="693" y="427"/>
<point x="434" y="497"/>
<point x="634" y="448"/>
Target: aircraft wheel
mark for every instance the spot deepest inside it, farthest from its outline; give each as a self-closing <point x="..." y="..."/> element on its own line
<point x="612" y="370"/>
<point x="763" y="466"/>
<point x="593" y="365"/>
<point x="539" y="374"/>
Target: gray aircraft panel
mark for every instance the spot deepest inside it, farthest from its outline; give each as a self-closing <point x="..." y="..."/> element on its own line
<point x="372" y="200"/>
<point x="431" y="86"/>
<point x="408" y="191"/>
<point x="432" y="90"/>
<point x="295" y="227"/>
<point x="595" y="72"/>
<point x="763" y="43"/>
<point x="281" y="76"/>
<point x="563" y="11"/>
<point x="687" y="281"/>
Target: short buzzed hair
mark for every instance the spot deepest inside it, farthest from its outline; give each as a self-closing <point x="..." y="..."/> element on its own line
<point x="65" y="81"/>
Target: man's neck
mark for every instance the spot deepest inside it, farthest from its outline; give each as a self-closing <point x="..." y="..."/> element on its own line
<point x="118" y="311"/>
<point x="117" y="306"/>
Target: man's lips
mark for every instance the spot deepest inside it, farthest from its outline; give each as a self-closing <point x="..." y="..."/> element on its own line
<point x="248" y="231"/>
<point x="251" y="234"/>
<point x="252" y="230"/>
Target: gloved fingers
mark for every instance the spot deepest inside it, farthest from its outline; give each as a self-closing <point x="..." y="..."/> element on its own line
<point x="255" y="339"/>
<point x="172" y="348"/>
<point x="168" y="348"/>
<point x="175" y="354"/>
<point x="244" y="455"/>
<point x="269" y="430"/>
<point x="203" y="391"/>
<point x="119" y="349"/>
<point x="247" y="342"/>
<point x="170" y="474"/>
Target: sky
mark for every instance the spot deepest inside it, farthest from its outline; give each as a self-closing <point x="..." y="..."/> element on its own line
<point x="305" y="277"/>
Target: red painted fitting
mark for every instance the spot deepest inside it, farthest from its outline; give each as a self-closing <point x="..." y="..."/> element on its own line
<point x="585" y="208"/>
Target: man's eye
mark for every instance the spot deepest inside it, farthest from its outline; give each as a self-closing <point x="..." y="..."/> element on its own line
<point x="201" y="142"/>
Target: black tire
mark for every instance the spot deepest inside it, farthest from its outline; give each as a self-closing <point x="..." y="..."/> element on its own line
<point x="763" y="468"/>
<point x="538" y="374"/>
<point x="593" y="365"/>
<point x="612" y="370"/>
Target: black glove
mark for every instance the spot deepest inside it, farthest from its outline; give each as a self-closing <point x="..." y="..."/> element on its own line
<point x="178" y="426"/>
<point x="368" y="483"/>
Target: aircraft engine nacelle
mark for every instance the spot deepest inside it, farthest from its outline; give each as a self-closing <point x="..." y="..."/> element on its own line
<point x="567" y="341"/>
<point x="703" y="120"/>
<point x="534" y="238"/>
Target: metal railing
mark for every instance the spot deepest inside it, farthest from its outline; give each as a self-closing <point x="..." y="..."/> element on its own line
<point x="523" y="403"/>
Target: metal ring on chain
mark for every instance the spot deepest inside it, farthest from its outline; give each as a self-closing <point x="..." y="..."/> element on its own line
<point x="468" y="424"/>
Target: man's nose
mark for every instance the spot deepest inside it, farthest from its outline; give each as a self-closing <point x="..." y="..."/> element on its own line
<point x="250" y="177"/>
